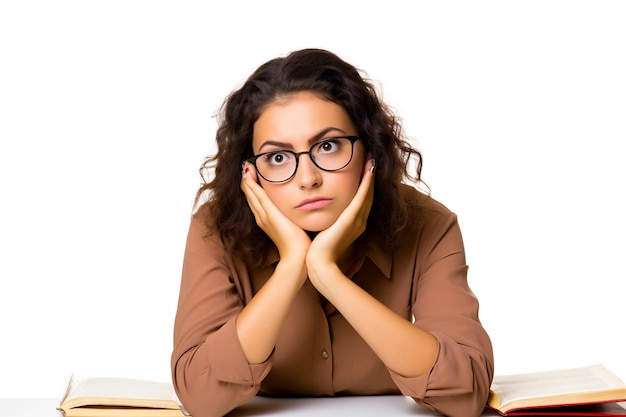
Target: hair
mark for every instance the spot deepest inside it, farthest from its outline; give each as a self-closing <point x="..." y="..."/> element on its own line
<point x="226" y="210"/>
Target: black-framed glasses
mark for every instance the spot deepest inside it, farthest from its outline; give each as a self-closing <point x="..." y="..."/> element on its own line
<point x="330" y="154"/>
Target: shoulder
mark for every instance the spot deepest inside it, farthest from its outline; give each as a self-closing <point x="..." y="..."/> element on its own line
<point x="202" y="237"/>
<point x="205" y="237"/>
<point x="431" y="224"/>
<point x="432" y="234"/>
<point x="423" y="206"/>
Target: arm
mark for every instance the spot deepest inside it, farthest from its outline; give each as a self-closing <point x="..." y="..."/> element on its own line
<point x="260" y="322"/>
<point x="222" y="348"/>
<point x="443" y="360"/>
<point x="391" y="337"/>
<point x="210" y="371"/>
<point x="394" y="339"/>
<point x="444" y="305"/>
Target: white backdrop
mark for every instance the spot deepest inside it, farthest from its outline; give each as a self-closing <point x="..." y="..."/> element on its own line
<point x="106" y="112"/>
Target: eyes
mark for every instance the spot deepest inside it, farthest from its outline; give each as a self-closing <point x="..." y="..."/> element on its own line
<point x="328" y="146"/>
<point x="321" y="149"/>
<point x="278" y="158"/>
<point x="331" y="154"/>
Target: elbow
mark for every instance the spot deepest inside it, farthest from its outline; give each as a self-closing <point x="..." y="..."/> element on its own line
<point x="202" y="394"/>
<point x="468" y="405"/>
<point x="471" y="402"/>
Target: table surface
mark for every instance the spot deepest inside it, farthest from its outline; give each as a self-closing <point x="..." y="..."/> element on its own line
<point x="384" y="405"/>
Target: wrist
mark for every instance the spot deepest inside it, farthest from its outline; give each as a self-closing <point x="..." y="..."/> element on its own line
<point x="322" y="274"/>
<point x="292" y="266"/>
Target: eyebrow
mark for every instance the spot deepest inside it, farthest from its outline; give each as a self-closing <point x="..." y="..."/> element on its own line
<point x="311" y="141"/>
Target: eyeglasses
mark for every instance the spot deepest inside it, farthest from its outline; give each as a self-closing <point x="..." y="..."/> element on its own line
<point x="330" y="154"/>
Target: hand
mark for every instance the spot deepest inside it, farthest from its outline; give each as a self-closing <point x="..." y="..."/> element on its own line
<point x="330" y="244"/>
<point x="290" y="240"/>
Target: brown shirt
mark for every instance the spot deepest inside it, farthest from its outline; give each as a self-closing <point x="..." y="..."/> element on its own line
<point x="318" y="352"/>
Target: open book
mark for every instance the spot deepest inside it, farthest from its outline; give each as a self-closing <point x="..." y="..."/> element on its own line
<point x="120" y="397"/>
<point x="586" y="391"/>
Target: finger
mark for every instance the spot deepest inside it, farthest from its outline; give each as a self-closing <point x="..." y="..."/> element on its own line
<point x="364" y="195"/>
<point x="361" y="205"/>
<point x="253" y="192"/>
<point x="352" y="221"/>
<point x="263" y="208"/>
<point x="369" y="178"/>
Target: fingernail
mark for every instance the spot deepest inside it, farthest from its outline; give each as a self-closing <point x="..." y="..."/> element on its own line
<point x="373" y="165"/>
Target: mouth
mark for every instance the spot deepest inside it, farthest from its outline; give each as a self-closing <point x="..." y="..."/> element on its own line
<point x="313" y="203"/>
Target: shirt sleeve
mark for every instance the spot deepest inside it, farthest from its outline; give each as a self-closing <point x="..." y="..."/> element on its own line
<point x="443" y="304"/>
<point x="210" y="372"/>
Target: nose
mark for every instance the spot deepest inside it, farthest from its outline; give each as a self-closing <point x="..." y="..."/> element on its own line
<point x="307" y="175"/>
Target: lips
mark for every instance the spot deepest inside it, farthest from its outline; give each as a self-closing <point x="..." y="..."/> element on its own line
<point x="313" y="203"/>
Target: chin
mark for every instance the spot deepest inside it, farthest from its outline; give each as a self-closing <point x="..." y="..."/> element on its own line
<point x="314" y="229"/>
<point x="317" y="225"/>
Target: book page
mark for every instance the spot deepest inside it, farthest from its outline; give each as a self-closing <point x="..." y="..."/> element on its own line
<point x="551" y="383"/>
<point x="107" y="391"/>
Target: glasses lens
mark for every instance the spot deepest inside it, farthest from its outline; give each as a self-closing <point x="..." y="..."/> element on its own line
<point x="276" y="166"/>
<point x="332" y="154"/>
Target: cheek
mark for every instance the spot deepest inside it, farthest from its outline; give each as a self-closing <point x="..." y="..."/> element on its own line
<point x="355" y="174"/>
<point x="278" y="194"/>
<point x="353" y="184"/>
<point x="347" y="184"/>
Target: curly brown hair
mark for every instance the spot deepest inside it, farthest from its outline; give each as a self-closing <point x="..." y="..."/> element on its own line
<point x="324" y="73"/>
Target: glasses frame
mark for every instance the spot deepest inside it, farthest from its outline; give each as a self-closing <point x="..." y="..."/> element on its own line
<point x="352" y="139"/>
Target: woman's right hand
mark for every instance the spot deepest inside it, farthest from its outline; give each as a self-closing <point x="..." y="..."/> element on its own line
<point x="291" y="241"/>
<point x="260" y="321"/>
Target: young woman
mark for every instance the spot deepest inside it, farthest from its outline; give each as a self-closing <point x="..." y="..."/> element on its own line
<point x="312" y="268"/>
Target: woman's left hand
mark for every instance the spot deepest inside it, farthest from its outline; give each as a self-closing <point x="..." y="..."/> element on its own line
<point x="330" y="244"/>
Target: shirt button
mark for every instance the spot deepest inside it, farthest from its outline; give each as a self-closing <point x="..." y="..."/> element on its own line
<point x="324" y="354"/>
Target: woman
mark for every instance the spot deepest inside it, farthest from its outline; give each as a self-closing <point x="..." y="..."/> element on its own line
<point x="312" y="269"/>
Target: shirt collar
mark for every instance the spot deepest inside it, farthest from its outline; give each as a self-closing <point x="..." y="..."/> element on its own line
<point x="370" y="244"/>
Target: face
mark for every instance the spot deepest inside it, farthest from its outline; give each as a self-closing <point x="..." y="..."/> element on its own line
<point x="312" y="198"/>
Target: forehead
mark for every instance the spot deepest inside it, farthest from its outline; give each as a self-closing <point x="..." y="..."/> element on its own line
<point x="298" y="118"/>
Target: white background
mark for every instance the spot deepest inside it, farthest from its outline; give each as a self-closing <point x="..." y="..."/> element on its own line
<point x="106" y="113"/>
